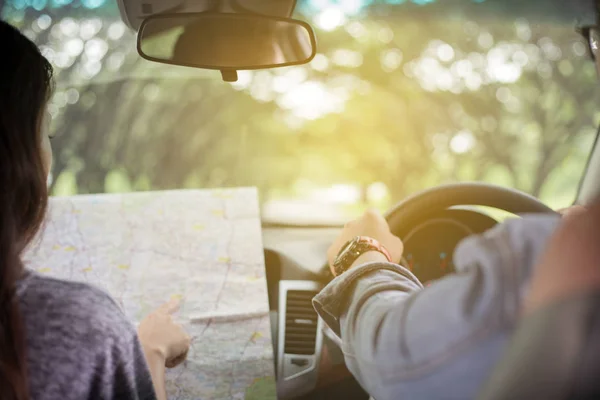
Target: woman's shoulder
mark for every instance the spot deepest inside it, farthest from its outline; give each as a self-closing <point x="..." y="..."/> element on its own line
<point x="90" y="311"/>
<point x="79" y="342"/>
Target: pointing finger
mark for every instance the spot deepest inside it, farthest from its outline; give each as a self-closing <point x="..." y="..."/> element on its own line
<point x="170" y="307"/>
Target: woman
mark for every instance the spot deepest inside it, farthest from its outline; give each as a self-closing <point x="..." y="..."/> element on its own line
<point x="58" y="339"/>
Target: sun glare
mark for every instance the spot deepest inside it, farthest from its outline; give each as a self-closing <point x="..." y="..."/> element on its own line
<point x="330" y="18"/>
<point x="311" y="100"/>
<point x="462" y="142"/>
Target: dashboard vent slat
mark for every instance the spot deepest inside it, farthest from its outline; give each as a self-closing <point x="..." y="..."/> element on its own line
<point x="300" y="323"/>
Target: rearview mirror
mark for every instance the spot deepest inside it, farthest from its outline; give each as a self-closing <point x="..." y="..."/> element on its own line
<point x="226" y="42"/>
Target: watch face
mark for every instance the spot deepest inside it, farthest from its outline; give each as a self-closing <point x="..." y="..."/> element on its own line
<point x="344" y="257"/>
<point x="346" y="247"/>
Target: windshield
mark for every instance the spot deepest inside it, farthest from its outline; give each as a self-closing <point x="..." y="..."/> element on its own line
<point x="402" y="96"/>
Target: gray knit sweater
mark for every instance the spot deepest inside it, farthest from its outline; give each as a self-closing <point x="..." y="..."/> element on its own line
<point x="80" y="345"/>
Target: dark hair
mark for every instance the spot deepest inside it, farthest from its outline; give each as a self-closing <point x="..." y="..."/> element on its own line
<point x="25" y="85"/>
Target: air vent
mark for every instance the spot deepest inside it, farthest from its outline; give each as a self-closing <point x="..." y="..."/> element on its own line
<point x="299" y="338"/>
<point x="300" y="323"/>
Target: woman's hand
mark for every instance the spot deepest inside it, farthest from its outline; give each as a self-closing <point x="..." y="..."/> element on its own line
<point x="160" y="335"/>
<point x="373" y="225"/>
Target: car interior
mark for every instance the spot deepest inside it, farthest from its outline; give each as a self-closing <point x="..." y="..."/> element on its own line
<point x="532" y="148"/>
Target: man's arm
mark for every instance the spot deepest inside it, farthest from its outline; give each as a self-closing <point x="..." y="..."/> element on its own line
<point x="440" y="342"/>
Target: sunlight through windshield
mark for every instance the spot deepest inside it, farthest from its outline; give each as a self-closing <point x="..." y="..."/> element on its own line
<point x="403" y="95"/>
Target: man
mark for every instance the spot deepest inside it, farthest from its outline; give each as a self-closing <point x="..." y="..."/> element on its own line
<point x="403" y="341"/>
<point x="442" y="342"/>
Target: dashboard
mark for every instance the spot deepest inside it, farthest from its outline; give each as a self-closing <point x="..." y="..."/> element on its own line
<point x="429" y="246"/>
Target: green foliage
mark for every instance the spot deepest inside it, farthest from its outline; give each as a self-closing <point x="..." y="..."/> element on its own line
<point x="404" y="96"/>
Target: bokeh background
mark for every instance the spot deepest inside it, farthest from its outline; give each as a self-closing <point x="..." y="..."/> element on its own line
<point x="403" y="95"/>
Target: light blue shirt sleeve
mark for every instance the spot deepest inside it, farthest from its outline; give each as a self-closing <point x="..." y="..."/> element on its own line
<point x="401" y="340"/>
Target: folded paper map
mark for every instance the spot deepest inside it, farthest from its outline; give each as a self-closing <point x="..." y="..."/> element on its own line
<point x="201" y="246"/>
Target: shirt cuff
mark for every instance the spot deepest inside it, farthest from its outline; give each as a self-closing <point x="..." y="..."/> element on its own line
<point x="331" y="302"/>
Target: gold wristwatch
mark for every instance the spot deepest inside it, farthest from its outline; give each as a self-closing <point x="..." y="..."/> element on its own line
<point x="355" y="248"/>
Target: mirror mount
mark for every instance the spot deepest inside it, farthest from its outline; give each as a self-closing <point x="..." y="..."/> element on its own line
<point x="229" y="75"/>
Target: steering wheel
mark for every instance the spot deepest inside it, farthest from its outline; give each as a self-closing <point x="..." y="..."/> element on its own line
<point x="419" y="206"/>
